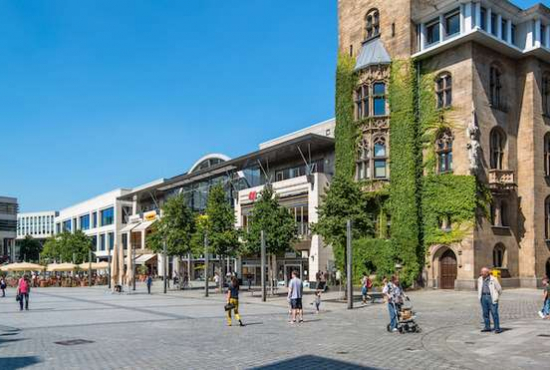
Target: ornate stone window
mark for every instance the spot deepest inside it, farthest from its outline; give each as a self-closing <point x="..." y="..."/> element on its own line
<point x="362" y="102"/>
<point x="497" y="145"/>
<point x="547" y="154"/>
<point x="495" y="87"/>
<point x="372" y="24"/>
<point x="363" y="162"/>
<point x="499" y="256"/>
<point x="545" y="94"/>
<point x="444" y="90"/>
<point x="380" y="158"/>
<point x="547" y="218"/>
<point x="444" y="151"/>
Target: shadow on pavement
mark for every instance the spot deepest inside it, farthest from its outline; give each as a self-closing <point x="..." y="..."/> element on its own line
<point x="11" y="363"/>
<point x="313" y="362"/>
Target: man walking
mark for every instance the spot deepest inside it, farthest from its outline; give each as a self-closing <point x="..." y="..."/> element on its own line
<point x="295" y="296"/>
<point x="149" y="283"/>
<point x="489" y="291"/>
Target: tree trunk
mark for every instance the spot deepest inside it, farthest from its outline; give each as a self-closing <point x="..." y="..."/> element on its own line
<point x="270" y="269"/>
<point x="222" y="273"/>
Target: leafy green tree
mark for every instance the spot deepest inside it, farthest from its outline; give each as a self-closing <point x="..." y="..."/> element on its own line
<point x="344" y="200"/>
<point x="68" y="247"/>
<point x="223" y="239"/>
<point x="276" y="222"/>
<point x="176" y="227"/>
<point x="29" y="249"/>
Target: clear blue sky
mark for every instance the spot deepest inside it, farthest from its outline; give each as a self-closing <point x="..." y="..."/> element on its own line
<point x="102" y="94"/>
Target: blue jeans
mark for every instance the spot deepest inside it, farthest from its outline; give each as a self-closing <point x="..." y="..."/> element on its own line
<point x="490" y="308"/>
<point x="546" y="307"/>
<point x="393" y="316"/>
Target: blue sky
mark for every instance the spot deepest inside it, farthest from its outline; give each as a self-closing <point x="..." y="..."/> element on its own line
<point x="102" y="94"/>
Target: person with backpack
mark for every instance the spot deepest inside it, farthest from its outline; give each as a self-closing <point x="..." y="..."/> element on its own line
<point x="23" y="290"/>
<point x="233" y="301"/>
<point x="366" y="284"/>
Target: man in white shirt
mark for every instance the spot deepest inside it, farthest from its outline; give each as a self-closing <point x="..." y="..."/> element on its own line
<point x="489" y="291"/>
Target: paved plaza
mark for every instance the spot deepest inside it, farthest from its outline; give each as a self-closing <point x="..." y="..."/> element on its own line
<point x="90" y="328"/>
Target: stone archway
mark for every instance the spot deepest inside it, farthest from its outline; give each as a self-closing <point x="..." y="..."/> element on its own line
<point x="448" y="270"/>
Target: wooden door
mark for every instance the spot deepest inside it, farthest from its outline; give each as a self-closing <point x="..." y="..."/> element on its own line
<point x="448" y="270"/>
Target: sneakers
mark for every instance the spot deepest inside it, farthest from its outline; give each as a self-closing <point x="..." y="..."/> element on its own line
<point x="485" y="330"/>
<point x="394" y="330"/>
<point x="498" y="331"/>
<point x="241" y="323"/>
<point x="541" y="314"/>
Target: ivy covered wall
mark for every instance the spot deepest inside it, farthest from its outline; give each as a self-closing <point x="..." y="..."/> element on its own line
<point x="418" y="200"/>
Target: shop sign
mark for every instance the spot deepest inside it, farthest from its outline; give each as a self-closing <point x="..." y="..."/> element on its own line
<point x="150" y="216"/>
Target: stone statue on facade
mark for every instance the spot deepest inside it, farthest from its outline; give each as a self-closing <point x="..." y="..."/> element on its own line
<point x="473" y="145"/>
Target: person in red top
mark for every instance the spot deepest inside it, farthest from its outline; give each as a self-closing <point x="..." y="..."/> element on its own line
<point x="23" y="290"/>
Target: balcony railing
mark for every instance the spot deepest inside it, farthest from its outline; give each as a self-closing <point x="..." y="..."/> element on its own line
<point x="502" y="180"/>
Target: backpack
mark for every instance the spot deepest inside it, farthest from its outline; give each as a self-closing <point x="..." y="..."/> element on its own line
<point x="369" y="283"/>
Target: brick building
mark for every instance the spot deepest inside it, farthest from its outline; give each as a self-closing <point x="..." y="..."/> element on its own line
<point x="491" y="66"/>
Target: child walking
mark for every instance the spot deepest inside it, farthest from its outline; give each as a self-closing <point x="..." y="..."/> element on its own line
<point x="317" y="300"/>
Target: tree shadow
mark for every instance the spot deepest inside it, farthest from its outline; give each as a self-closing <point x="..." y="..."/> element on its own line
<point x="313" y="362"/>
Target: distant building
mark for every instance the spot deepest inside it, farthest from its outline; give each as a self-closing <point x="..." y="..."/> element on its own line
<point x="8" y="227"/>
<point x="38" y="225"/>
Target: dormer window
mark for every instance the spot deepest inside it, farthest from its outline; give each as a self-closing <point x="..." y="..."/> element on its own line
<point x="372" y="24"/>
<point x="452" y="22"/>
<point x="432" y="31"/>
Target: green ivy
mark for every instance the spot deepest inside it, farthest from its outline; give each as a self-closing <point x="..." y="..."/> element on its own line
<point x="405" y="170"/>
<point x="346" y="130"/>
<point x="373" y="256"/>
<point x="448" y="196"/>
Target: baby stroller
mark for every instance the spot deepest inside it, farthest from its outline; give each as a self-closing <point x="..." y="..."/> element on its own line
<point x="405" y="318"/>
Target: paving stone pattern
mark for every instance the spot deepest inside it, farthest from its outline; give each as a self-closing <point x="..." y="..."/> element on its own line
<point x="184" y="330"/>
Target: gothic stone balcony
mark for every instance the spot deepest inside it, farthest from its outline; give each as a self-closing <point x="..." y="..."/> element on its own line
<point x="501" y="180"/>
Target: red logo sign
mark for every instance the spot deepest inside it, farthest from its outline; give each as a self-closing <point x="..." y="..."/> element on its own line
<point x="252" y="196"/>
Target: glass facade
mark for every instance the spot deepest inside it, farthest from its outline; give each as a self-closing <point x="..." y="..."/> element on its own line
<point x="111" y="240"/>
<point x="101" y="242"/>
<point x="85" y="222"/>
<point x="107" y="216"/>
<point x="67" y="226"/>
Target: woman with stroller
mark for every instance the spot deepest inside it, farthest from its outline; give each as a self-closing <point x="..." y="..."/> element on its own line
<point x="394" y="295"/>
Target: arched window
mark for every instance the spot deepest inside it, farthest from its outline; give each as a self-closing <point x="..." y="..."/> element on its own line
<point x="362" y="102"/>
<point x="363" y="162"/>
<point x="547" y="154"/>
<point x="444" y="150"/>
<point x="547" y="218"/>
<point x="379" y="98"/>
<point x="372" y="24"/>
<point x="495" y="87"/>
<point x="498" y="143"/>
<point x="444" y="90"/>
<point x="545" y="94"/>
<point x="499" y="256"/>
<point x="380" y="158"/>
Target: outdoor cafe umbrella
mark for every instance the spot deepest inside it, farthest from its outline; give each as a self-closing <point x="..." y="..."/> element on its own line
<point x="95" y="265"/>
<point x="22" y="266"/>
<point x="114" y="266"/>
<point x="58" y="267"/>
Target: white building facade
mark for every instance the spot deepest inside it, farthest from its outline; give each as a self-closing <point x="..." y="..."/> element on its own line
<point x="38" y="225"/>
<point x="100" y="218"/>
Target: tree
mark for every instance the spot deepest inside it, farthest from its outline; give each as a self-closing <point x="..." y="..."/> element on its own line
<point x="223" y="239"/>
<point x="176" y="227"/>
<point x="344" y="200"/>
<point x="29" y="249"/>
<point x="68" y="247"/>
<point x="276" y="222"/>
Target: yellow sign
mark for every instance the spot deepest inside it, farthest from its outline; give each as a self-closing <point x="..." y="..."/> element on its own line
<point x="150" y="216"/>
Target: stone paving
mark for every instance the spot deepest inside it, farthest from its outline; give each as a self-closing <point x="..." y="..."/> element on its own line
<point x="90" y="328"/>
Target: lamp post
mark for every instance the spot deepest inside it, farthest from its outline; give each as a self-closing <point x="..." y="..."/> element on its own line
<point x="206" y="264"/>
<point x="262" y="256"/>
<point x="349" y="270"/>
<point x="164" y="260"/>
<point x="133" y="268"/>
<point x="90" y="267"/>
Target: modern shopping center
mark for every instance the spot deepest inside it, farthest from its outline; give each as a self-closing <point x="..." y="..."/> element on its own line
<point x="298" y="166"/>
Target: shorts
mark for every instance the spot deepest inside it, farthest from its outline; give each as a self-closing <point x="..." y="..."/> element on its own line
<point x="296" y="303"/>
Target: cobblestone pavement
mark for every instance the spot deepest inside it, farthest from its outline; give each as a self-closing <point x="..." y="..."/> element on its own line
<point x="90" y="328"/>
